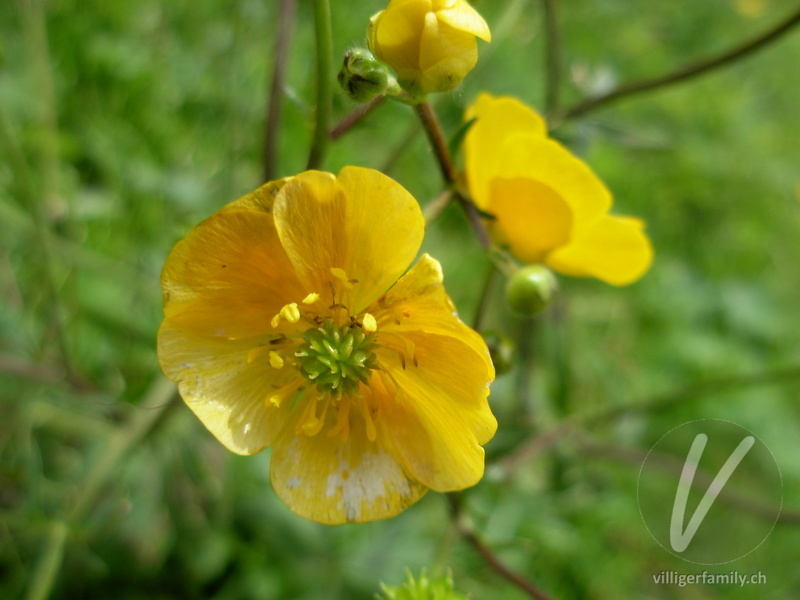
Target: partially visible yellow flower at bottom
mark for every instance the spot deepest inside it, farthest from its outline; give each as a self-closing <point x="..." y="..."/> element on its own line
<point x="290" y="321"/>
<point x="549" y="207"/>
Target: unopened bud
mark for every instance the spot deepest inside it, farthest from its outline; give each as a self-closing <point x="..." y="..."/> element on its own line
<point x="531" y="289"/>
<point x="362" y="77"/>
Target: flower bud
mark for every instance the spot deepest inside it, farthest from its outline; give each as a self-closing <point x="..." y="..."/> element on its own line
<point x="430" y="44"/>
<point x="422" y="588"/>
<point x="363" y="77"/>
<point x="501" y="349"/>
<point x="531" y="289"/>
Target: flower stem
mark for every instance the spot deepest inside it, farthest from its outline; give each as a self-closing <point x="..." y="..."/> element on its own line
<point x="486" y="294"/>
<point x="487" y="554"/>
<point x="436" y="137"/>
<point x="272" y="125"/>
<point x="687" y="72"/>
<point x="355" y="117"/>
<point x="324" y="36"/>
<point x="439" y="143"/>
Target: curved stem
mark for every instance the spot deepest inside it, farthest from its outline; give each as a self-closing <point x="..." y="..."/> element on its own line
<point x="324" y="36"/>
<point x="688" y="72"/>
<point x="272" y="125"/>
<point x="486" y="293"/>
<point x="487" y="554"/>
<point x="355" y="117"/>
<point x="439" y="143"/>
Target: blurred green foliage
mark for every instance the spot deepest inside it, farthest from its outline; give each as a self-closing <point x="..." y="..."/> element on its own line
<point x="123" y="124"/>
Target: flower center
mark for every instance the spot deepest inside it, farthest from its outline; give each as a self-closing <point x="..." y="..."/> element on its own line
<point x="337" y="358"/>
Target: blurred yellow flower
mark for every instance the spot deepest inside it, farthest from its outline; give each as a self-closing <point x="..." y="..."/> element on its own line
<point x="549" y="207"/>
<point x="430" y="44"/>
<point x="289" y="322"/>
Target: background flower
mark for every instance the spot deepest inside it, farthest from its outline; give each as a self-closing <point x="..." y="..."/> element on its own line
<point x="549" y="207"/>
<point x="430" y="44"/>
<point x="286" y="325"/>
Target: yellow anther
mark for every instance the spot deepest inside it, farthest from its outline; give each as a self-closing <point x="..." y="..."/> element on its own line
<point x="342" y="276"/>
<point x="369" y="323"/>
<point x="275" y="360"/>
<point x="311" y="298"/>
<point x="275" y="320"/>
<point x="275" y="400"/>
<point x="290" y="312"/>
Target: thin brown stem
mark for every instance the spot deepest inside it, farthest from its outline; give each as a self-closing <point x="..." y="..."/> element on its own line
<point x="272" y="125"/>
<point x="486" y="294"/>
<point x="439" y="143"/>
<point x="687" y="72"/>
<point x="355" y="117"/>
<point x="488" y="555"/>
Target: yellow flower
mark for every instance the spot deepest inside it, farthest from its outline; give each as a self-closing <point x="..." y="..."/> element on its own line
<point x="549" y="207"/>
<point x="430" y="44"/>
<point x="289" y="322"/>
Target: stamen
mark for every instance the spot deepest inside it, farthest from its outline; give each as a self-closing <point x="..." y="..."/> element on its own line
<point x="342" y="420"/>
<point x="372" y="433"/>
<point x="309" y="423"/>
<point x="369" y="323"/>
<point x="279" y="396"/>
<point x="291" y="313"/>
<point x="311" y="298"/>
<point x="275" y="360"/>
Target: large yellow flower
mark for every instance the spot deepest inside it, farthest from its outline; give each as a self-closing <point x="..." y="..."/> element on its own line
<point x="289" y="322"/>
<point x="549" y="207"/>
<point x="430" y="44"/>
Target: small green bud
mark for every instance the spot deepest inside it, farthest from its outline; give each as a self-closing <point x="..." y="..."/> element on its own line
<point x="422" y="588"/>
<point x="362" y="77"/>
<point x="531" y="289"/>
<point x="501" y="349"/>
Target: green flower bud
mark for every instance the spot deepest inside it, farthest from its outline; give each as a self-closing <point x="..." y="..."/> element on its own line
<point x="362" y="77"/>
<point x="423" y="588"/>
<point x="501" y="349"/>
<point x="531" y="289"/>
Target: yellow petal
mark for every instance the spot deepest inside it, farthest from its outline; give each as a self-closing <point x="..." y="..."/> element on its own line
<point x="439" y="417"/>
<point x="397" y="31"/>
<point x="327" y="480"/>
<point x="259" y="200"/>
<point x="446" y="55"/>
<point x="530" y="217"/>
<point x="419" y="303"/>
<point x="463" y="17"/>
<point x="615" y="250"/>
<point x="362" y="222"/>
<point x="222" y="388"/>
<point x="550" y="164"/>
<point x="497" y="120"/>
<point x="229" y="276"/>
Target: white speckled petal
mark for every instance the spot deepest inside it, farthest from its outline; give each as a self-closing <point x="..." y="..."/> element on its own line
<point x="330" y="481"/>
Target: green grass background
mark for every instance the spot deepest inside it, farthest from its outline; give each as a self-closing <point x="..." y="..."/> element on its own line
<point x="123" y="124"/>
